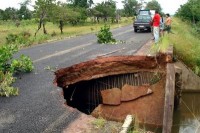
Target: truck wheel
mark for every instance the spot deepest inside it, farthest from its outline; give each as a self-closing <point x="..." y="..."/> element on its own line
<point x="135" y="30"/>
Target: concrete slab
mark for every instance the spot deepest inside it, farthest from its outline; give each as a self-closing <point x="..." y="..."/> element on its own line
<point x="130" y="92"/>
<point x="190" y="81"/>
<point x="111" y="96"/>
<point x="148" y="109"/>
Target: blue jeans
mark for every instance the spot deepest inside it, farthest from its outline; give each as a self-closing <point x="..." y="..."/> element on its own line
<point x="156" y="33"/>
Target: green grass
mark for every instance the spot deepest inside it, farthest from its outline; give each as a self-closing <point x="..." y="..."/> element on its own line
<point x="69" y="31"/>
<point x="186" y="43"/>
<point x="161" y="46"/>
<point x="99" y="122"/>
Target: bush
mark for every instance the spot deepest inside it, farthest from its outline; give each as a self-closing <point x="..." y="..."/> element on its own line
<point x="23" y="64"/>
<point x="53" y="34"/>
<point x="21" y="38"/>
<point x="11" y="38"/>
<point x="5" y="85"/>
<point x="17" y="23"/>
<point x="6" y="54"/>
<point x="105" y="36"/>
<point x="8" y="67"/>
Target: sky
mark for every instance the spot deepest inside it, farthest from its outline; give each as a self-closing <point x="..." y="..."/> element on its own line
<point x="168" y="6"/>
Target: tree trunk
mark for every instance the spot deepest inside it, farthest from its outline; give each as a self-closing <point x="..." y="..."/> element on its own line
<point x="41" y="23"/>
<point x="193" y="19"/>
<point x="44" y="29"/>
<point x="61" y="26"/>
<point x="104" y="19"/>
<point x="39" y="26"/>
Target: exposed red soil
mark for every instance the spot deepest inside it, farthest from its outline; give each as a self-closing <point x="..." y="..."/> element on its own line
<point x="148" y="109"/>
<point x="107" y="66"/>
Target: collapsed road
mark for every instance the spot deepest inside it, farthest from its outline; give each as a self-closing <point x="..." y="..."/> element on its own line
<point x="40" y="105"/>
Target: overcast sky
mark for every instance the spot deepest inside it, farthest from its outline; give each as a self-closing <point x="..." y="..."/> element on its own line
<point x="168" y="6"/>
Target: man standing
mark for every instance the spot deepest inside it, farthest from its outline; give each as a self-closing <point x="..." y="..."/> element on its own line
<point x="168" y="23"/>
<point x="156" y="25"/>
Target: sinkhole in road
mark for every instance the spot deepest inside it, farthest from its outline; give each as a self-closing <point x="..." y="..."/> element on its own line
<point x="113" y="87"/>
<point x="86" y="95"/>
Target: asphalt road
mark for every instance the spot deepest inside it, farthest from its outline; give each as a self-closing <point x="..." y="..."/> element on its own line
<point x="40" y="105"/>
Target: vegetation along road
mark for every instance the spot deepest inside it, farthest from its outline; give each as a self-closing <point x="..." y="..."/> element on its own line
<point x="40" y="106"/>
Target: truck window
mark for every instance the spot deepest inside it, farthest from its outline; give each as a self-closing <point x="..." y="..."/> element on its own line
<point x="144" y="17"/>
<point x="144" y="12"/>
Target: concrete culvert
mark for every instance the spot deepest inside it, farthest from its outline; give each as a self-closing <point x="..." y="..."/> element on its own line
<point x="113" y="87"/>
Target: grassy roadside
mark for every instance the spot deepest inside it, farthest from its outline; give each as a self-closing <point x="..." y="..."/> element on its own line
<point x="30" y="26"/>
<point x="186" y="43"/>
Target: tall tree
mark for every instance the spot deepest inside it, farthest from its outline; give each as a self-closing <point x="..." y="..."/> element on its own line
<point x="43" y="9"/>
<point x="24" y="12"/>
<point x="60" y="15"/>
<point x="82" y="3"/>
<point x="25" y="3"/>
<point x="154" y="5"/>
<point x="10" y="14"/>
<point x="105" y="9"/>
<point x="1" y="14"/>
<point x="190" y="11"/>
<point x="131" y="7"/>
<point x="195" y="6"/>
<point x="90" y="3"/>
<point x="64" y="13"/>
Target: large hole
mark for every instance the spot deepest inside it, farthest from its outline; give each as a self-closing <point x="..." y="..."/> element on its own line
<point x="86" y="95"/>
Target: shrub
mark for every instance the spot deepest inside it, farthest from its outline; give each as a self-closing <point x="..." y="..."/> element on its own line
<point x="53" y="34"/>
<point x="17" y="23"/>
<point x="23" y="64"/>
<point x="105" y="36"/>
<point x="11" y="38"/>
<point x="21" y="38"/>
<point x="5" y="85"/>
<point x="9" y="66"/>
<point x="6" y="54"/>
<point x="25" y="34"/>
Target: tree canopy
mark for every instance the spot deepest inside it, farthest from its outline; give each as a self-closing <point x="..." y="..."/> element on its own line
<point x="81" y="3"/>
<point x="154" y="5"/>
<point x="69" y="12"/>
<point x="190" y="11"/>
<point x="10" y="14"/>
<point x="24" y="12"/>
<point x="44" y="10"/>
<point x="106" y="9"/>
<point x="131" y="7"/>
